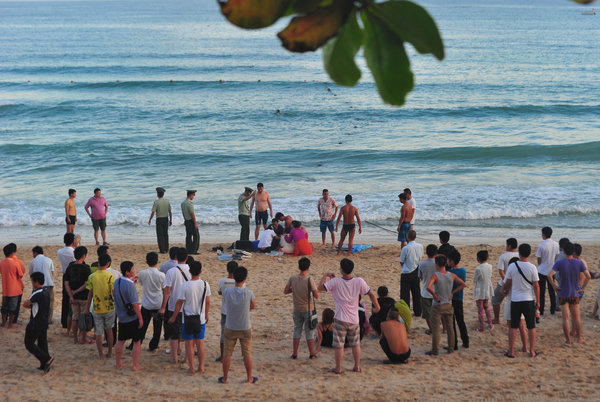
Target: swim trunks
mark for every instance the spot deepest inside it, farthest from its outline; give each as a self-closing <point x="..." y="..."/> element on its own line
<point x="394" y="357"/>
<point x="349" y="227"/>
<point x="326" y="225"/>
<point x="570" y="300"/>
<point x="261" y="216"/>
<point x="99" y="224"/>
<point x="70" y="219"/>
<point x="404" y="228"/>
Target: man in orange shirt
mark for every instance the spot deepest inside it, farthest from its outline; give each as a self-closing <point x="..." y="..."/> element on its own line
<point x="12" y="270"/>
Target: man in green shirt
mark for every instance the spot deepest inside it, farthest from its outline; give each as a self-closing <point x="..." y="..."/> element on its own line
<point x="244" y="213"/>
<point x="164" y="219"/>
<point x="192" y="237"/>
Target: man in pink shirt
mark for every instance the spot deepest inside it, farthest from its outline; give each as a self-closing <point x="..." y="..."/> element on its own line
<point x="12" y="270"/>
<point x="345" y="292"/>
<point x="99" y="207"/>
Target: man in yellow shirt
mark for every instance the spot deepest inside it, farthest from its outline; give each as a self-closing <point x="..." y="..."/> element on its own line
<point x="101" y="285"/>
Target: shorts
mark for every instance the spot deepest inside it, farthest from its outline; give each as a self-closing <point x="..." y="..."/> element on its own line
<point x="527" y="308"/>
<point x="130" y="330"/>
<point x="261" y="216"/>
<point x="498" y="296"/>
<point x="77" y="307"/>
<point x="99" y="224"/>
<point x="172" y="331"/>
<point x="327" y="225"/>
<point x="231" y="338"/>
<point x="344" y="331"/>
<point x="426" y="307"/>
<point x="10" y="304"/>
<point x="103" y="322"/>
<point x="70" y="219"/>
<point x="394" y="357"/>
<point x="349" y="227"/>
<point x="190" y="337"/>
<point x="570" y="300"/>
<point x="303" y="319"/>
<point x="404" y="228"/>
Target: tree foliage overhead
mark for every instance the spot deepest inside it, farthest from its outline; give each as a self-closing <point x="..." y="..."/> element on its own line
<point x="342" y="27"/>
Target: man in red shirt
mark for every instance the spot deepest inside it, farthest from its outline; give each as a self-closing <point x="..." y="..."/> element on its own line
<point x="12" y="270"/>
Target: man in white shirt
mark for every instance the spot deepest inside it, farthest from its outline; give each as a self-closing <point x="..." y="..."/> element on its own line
<point x="523" y="281"/>
<point x="409" y="279"/>
<point x="498" y="296"/>
<point x="66" y="256"/>
<point x="194" y="297"/>
<point x="43" y="264"/>
<point x="152" y="281"/>
<point x="413" y="204"/>
<point x="546" y="256"/>
<point x="172" y="286"/>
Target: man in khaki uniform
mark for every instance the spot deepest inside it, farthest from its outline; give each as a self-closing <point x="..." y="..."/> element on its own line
<point x="192" y="237"/>
<point x="164" y="219"/>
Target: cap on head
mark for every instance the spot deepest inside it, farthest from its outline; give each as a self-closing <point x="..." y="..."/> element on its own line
<point x="248" y="189"/>
<point x="160" y="190"/>
<point x="190" y="192"/>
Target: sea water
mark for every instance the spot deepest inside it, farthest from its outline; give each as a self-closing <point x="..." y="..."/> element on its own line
<point x="499" y="139"/>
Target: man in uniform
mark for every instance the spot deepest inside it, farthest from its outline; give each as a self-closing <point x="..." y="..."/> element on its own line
<point x="192" y="237"/>
<point x="244" y="213"/>
<point x="164" y="219"/>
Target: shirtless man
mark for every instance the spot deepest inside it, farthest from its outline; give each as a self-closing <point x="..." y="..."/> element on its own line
<point x="406" y="214"/>
<point x="394" y="339"/>
<point x="262" y="200"/>
<point x="348" y="211"/>
<point x="71" y="211"/>
<point x="286" y="219"/>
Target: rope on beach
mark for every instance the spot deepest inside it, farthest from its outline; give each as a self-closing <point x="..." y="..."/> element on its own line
<point x="381" y="227"/>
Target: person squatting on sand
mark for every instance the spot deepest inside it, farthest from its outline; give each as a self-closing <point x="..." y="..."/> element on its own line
<point x="346" y="291"/>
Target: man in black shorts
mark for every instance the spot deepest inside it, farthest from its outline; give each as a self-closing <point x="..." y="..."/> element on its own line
<point x="128" y="310"/>
<point x="349" y="212"/>
<point x="262" y="200"/>
<point x="523" y="280"/>
<point x="71" y="211"/>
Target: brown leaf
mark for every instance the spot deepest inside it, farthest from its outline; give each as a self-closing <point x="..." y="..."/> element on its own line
<point x="311" y="31"/>
<point x="252" y="14"/>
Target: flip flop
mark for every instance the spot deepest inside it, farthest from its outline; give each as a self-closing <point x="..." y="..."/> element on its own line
<point x="48" y="365"/>
<point x="357" y="371"/>
<point x="293" y="356"/>
<point x="221" y="381"/>
<point x="333" y="370"/>
<point x="536" y="354"/>
<point x="312" y="356"/>
<point x="254" y="380"/>
<point x="509" y="356"/>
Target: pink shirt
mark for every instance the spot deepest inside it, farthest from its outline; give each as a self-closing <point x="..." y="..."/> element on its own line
<point x="98" y="206"/>
<point x="295" y="235"/>
<point x="345" y="294"/>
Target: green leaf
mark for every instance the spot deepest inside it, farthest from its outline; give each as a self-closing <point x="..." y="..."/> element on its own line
<point x="339" y="52"/>
<point x="584" y="1"/>
<point x="311" y="31"/>
<point x="413" y="24"/>
<point x="387" y="60"/>
<point x="252" y="14"/>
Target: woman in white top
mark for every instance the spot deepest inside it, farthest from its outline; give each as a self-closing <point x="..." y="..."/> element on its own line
<point x="482" y="288"/>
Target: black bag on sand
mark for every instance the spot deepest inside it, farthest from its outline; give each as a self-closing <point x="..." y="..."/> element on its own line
<point x="314" y="317"/>
<point x="86" y="322"/>
<point x="245" y="245"/>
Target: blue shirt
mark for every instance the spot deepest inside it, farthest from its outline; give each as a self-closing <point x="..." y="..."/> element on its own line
<point x="126" y="288"/>
<point x="462" y="274"/>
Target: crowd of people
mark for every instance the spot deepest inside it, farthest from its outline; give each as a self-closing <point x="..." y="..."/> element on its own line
<point x="177" y="301"/>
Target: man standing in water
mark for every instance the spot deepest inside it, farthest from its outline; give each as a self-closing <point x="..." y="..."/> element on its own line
<point x="328" y="209"/>
<point x="244" y="213"/>
<point x="99" y="207"/>
<point x="413" y="204"/>
<point x="262" y="200"/>
<point x="406" y="214"/>
<point x="71" y="211"/>
<point x="348" y="211"/>
<point x="192" y="237"/>
<point x="164" y="219"/>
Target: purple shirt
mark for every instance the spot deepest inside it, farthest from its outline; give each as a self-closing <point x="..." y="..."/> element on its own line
<point x="98" y="206"/>
<point x="345" y="294"/>
<point x="295" y="235"/>
<point x="569" y="270"/>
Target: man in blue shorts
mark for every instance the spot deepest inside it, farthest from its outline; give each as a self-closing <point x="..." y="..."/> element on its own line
<point x="406" y="214"/>
<point x="262" y="200"/>
<point x="328" y="209"/>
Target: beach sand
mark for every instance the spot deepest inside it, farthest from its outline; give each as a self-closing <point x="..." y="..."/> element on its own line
<point x="480" y="372"/>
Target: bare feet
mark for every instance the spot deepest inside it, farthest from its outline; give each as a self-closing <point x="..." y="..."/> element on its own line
<point x="191" y="371"/>
<point x="335" y="371"/>
<point x="357" y="370"/>
<point x="119" y="365"/>
<point x="524" y="349"/>
<point x="136" y="368"/>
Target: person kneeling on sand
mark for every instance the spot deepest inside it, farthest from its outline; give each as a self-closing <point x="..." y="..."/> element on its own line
<point x="394" y="339"/>
<point x="300" y="237"/>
